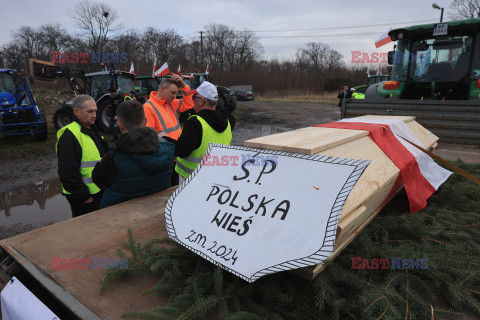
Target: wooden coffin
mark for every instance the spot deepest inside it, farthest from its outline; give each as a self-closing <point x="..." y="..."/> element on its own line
<point x="373" y="190"/>
<point x="100" y="233"/>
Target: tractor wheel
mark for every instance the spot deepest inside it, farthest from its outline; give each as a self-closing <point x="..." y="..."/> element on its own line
<point x="62" y="117"/>
<point x="103" y="117"/>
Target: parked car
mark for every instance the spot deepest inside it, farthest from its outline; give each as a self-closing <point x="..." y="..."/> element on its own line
<point x="244" y="95"/>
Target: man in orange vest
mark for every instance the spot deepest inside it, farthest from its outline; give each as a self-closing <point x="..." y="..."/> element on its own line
<point x="162" y="109"/>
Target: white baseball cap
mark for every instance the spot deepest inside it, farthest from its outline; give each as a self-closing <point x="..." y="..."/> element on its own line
<point x="207" y="90"/>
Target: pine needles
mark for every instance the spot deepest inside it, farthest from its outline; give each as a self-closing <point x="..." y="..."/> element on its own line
<point x="445" y="236"/>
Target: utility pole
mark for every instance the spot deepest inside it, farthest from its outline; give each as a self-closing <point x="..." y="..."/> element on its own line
<point x="201" y="50"/>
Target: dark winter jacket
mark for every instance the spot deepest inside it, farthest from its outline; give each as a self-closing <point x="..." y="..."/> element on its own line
<point x="69" y="155"/>
<point x="344" y="95"/>
<point x="191" y="136"/>
<point x="137" y="165"/>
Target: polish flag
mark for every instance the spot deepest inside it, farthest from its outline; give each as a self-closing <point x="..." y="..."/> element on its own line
<point x="163" y="71"/>
<point x="420" y="174"/>
<point x="154" y="70"/>
<point x="383" y="40"/>
<point x="132" y="69"/>
<point x="179" y="71"/>
<point x="207" y="71"/>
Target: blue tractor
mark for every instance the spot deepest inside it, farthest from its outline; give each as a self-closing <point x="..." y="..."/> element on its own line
<point x="19" y="112"/>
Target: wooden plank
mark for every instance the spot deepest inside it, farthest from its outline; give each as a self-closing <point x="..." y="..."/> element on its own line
<point x="403" y="118"/>
<point x="311" y="272"/>
<point x="380" y="171"/>
<point x="98" y="235"/>
<point x="308" y="140"/>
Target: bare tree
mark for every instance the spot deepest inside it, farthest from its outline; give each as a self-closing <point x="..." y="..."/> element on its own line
<point x="98" y="20"/>
<point x="318" y="56"/>
<point x="53" y="37"/>
<point x="193" y="55"/>
<point x="128" y="42"/>
<point x="229" y="49"/>
<point x="465" y="9"/>
<point x="162" y="46"/>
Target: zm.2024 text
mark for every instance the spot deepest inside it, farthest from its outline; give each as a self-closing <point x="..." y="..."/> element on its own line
<point x="221" y="251"/>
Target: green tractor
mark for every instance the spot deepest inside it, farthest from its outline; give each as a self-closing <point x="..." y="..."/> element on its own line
<point x="435" y="77"/>
<point x="372" y="79"/>
<point x="95" y="84"/>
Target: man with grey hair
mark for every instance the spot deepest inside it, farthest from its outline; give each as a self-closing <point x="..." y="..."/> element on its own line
<point x="79" y="147"/>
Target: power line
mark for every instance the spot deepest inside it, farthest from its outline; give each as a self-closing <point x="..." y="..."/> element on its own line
<point x="346" y="27"/>
<point x="322" y="35"/>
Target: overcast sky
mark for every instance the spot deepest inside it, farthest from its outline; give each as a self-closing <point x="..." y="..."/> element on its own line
<point x="317" y="20"/>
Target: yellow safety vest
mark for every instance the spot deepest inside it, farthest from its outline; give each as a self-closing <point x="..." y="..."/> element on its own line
<point x="90" y="155"/>
<point x="358" y="95"/>
<point x="185" y="166"/>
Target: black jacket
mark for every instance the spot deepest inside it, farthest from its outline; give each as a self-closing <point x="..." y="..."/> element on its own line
<point x="191" y="137"/>
<point x="69" y="155"/>
<point x="345" y="95"/>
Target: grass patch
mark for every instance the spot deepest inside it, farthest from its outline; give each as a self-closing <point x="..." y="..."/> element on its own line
<point x="23" y="147"/>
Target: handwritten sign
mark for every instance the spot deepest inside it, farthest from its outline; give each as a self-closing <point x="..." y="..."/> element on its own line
<point x="255" y="212"/>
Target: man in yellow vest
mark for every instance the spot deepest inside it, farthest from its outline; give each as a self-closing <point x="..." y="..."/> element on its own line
<point x="357" y="95"/>
<point x="79" y="147"/>
<point x="208" y="125"/>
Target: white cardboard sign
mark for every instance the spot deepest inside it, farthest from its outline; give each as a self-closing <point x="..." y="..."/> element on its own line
<point x="255" y="212"/>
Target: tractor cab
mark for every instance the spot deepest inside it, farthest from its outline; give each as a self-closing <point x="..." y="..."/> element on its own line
<point x="436" y="61"/>
<point x="101" y="81"/>
<point x="147" y="84"/>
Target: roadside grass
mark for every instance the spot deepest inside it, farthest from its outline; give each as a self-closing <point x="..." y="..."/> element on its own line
<point x="324" y="98"/>
<point x="23" y="147"/>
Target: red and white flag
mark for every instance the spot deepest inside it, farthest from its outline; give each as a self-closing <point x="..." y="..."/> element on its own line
<point x="383" y="40"/>
<point x="132" y="69"/>
<point x="207" y="71"/>
<point x="163" y="71"/>
<point x="179" y="71"/>
<point x="420" y="174"/>
<point x="154" y="70"/>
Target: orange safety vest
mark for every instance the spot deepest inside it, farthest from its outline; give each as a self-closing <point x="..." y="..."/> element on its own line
<point x="163" y="116"/>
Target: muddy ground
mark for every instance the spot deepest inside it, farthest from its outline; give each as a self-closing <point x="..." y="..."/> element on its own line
<point x="254" y="119"/>
<point x="37" y="162"/>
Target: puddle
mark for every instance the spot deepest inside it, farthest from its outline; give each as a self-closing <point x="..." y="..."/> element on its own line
<point x="36" y="204"/>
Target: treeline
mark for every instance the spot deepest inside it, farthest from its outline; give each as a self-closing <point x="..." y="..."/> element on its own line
<point x="234" y="57"/>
